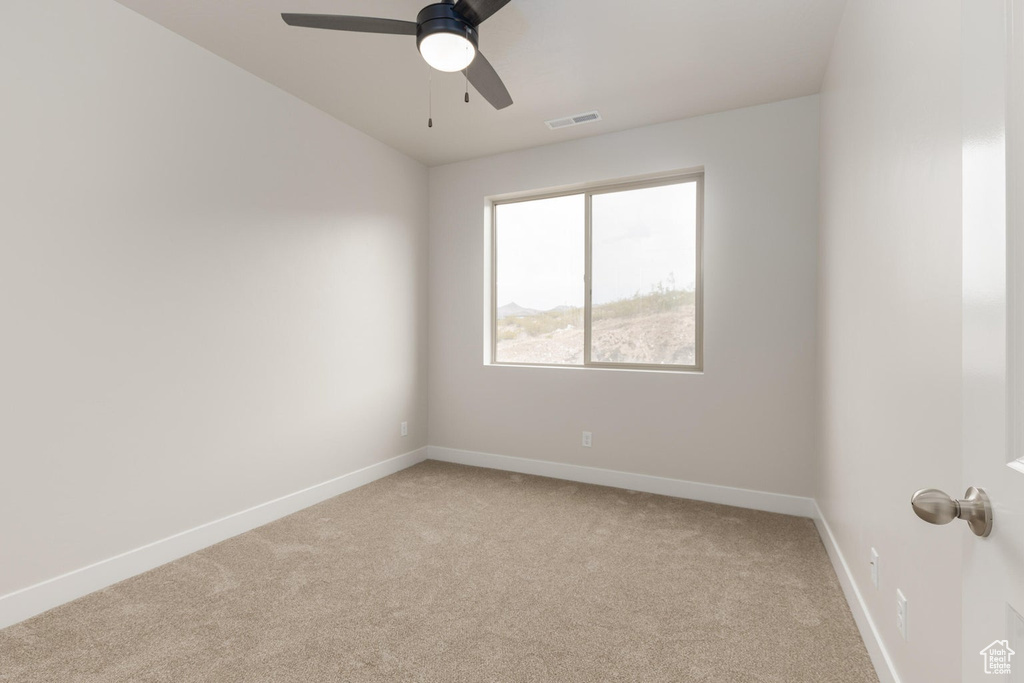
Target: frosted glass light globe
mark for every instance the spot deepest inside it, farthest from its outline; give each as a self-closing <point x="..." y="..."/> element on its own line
<point x="447" y="51"/>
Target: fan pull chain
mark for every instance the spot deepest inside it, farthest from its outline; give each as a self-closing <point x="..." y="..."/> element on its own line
<point x="467" y="85"/>
<point x="430" y="99"/>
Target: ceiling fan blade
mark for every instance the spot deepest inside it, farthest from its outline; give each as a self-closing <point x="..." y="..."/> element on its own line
<point x="487" y="82"/>
<point x="476" y="11"/>
<point x="337" y="22"/>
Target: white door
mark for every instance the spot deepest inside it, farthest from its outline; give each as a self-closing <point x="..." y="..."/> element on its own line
<point x="993" y="333"/>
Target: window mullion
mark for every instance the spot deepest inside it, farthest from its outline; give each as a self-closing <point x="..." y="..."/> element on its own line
<point x="494" y="282"/>
<point x="587" y="278"/>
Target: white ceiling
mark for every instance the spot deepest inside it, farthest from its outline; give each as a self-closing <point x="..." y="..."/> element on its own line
<point x="636" y="62"/>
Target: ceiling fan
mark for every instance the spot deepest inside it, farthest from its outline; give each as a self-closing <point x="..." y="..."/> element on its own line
<point x="446" y="35"/>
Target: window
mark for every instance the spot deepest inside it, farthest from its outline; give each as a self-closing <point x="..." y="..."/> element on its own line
<point x="604" y="277"/>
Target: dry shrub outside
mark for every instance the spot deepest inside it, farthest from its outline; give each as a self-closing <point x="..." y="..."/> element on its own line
<point x="654" y="328"/>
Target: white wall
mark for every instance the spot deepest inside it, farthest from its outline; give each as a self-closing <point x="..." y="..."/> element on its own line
<point x="890" y="329"/>
<point x="212" y="294"/>
<point x="748" y="420"/>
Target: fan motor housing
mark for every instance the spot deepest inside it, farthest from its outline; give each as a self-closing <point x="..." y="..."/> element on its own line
<point x="442" y="18"/>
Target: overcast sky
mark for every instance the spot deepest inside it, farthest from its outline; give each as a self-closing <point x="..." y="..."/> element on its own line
<point x="641" y="238"/>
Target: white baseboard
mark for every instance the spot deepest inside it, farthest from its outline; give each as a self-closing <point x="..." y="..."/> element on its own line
<point x="28" y="602"/>
<point x="884" y="666"/>
<point x="678" y="488"/>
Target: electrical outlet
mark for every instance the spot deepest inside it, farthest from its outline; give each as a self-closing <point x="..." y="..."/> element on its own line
<point x="874" y="567"/>
<point x="405" y="429"/>
<point x="902" y="616"/>
<point x="588" y="439"/>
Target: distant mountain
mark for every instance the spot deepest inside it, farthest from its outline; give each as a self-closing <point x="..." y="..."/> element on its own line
<point x="514" y="310"/>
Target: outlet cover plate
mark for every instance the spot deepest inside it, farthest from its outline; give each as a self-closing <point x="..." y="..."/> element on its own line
<point x="902" y="616"/>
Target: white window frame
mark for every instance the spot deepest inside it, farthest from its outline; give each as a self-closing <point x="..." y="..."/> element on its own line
<point x="588" y="191"/>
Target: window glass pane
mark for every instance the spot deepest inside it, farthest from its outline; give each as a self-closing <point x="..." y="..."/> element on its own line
<point x="540" y="251"/>
<point x="644" y="272"/>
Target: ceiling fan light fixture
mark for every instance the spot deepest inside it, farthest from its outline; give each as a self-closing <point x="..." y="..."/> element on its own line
<point x="445" y="39"/>
<point x="447" y="51"/>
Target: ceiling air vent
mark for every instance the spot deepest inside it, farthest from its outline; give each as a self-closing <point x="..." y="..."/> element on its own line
<point x="576" y="120"/>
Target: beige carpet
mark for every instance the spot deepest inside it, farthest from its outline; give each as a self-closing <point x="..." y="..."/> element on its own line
<point x="450" y="573"/>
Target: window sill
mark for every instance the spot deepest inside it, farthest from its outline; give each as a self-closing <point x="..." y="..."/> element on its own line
<point x="682" y="370"/>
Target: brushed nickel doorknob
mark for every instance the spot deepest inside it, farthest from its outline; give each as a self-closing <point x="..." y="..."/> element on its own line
<point x="936" y="507"/>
